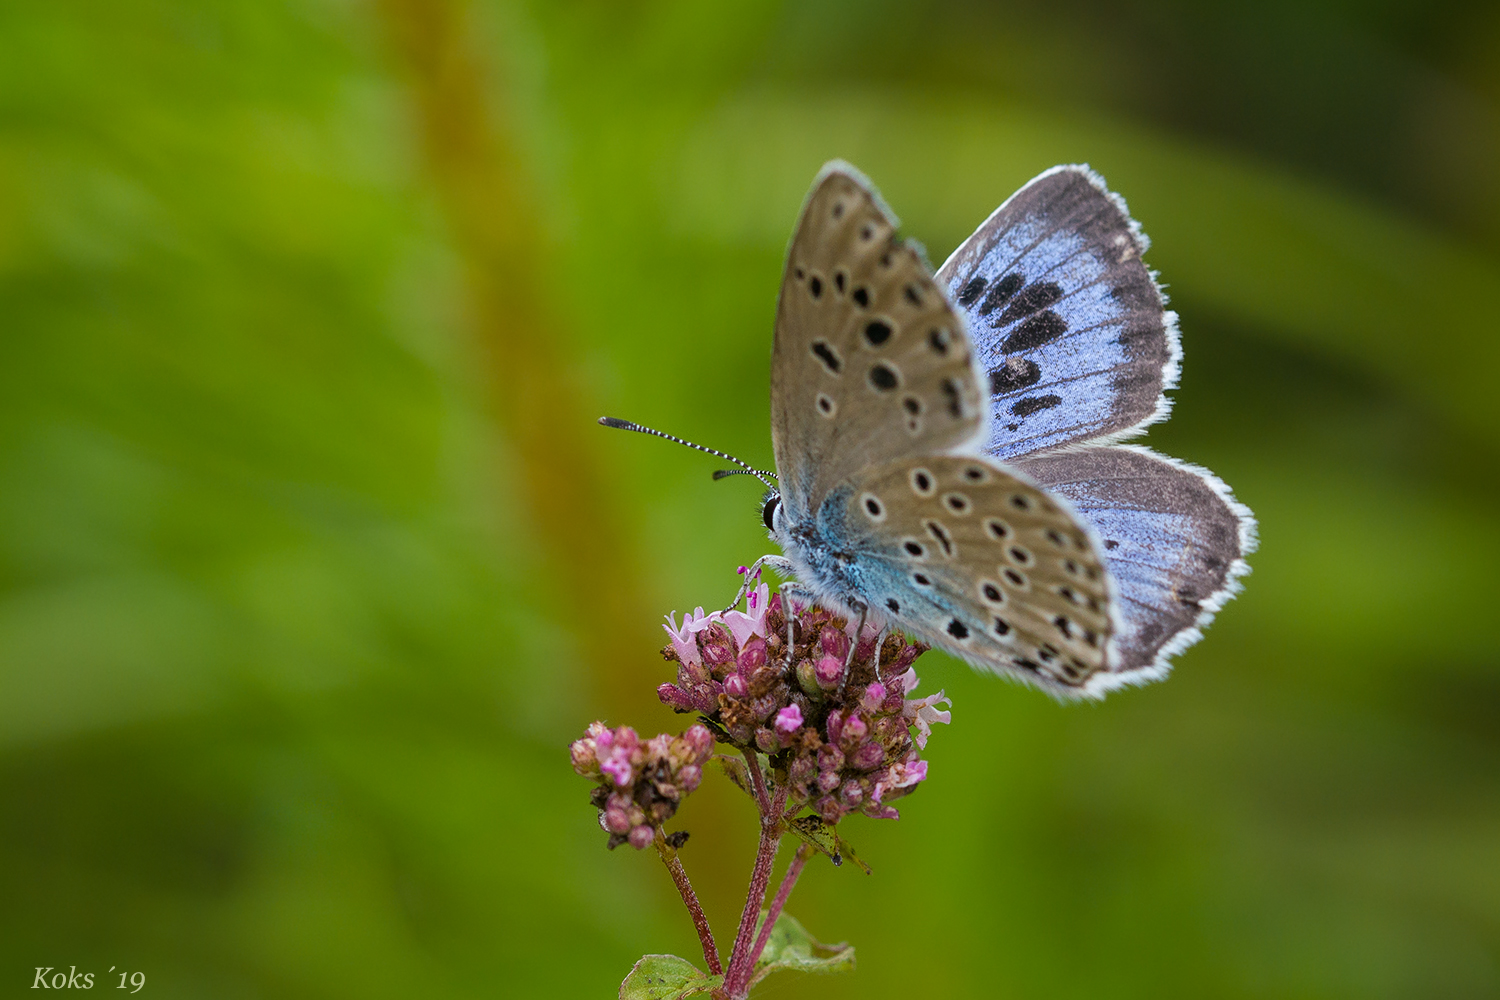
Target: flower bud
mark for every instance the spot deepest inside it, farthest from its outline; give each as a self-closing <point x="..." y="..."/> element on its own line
<point x="789" y="720"/>
<point x="835" y="642"/>
<point x="828" y="809"/>
<point x="867" y="756"/>
<point x="803" y="770"/>
<point x="700" y="740"/>
<point x="618" y="767"/>
<point x="873" y="698"/>
<point x="766" y="740"/>
<point x="676" y="699"/>
<point x="616" y="820"/>
<point x="752" y="654"/>
<point x="641" y="837"/>
<point x="835" y="725"/>
<point x="854" y="730"/>
<point x="807" y="679"/>
<point x="585" y="758"/>
<point x="689" y="777"/>
<point x="717" y="646"/>
<point x="735" y="686"/>
<point x="828" y="672"/>
<point x="850" y="794"/>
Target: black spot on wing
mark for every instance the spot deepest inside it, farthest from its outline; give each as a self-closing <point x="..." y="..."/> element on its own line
<point x="955" y="400"/>
<point x="970" y="292"/>
<point x="1031" y="404"/>
<point x="1035" y="332"/>
<point x="883" y="377"/>
<point x="1013" y="374"/>
<point x="1033" y="298"/>
<point x="826" y="355"/>
<point x="1001" y="292"/>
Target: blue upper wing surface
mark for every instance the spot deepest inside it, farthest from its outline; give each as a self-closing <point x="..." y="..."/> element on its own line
<point x="1065" y="318"/>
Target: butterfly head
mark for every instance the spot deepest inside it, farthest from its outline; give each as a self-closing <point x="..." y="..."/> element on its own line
<point x="770" y="509"/>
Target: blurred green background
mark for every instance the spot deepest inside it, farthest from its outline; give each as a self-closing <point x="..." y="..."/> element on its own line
<point x="312" y="561"/>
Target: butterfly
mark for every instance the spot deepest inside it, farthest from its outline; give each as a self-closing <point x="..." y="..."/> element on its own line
<point x="947" y="446"/>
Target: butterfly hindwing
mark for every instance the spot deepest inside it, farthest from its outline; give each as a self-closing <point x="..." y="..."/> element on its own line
<point x="1068" y="324"/>
<point x="968" y="557"/>
<point x="870" y="361"/>
<point x="1174" y="540"/>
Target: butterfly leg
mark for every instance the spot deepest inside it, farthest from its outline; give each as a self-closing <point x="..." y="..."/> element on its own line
<point x="808" y="598"/>
<point x="780" y="564"/>
<point x="849" y="660"/>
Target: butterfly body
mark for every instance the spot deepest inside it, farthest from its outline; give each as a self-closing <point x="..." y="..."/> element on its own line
<point x="918" y="422"/>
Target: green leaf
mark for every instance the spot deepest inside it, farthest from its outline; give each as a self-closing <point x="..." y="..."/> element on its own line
<point x="791" y="947"/>
<point x="666" y="977"/>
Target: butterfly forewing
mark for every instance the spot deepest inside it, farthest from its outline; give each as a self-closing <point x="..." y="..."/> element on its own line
<point x="1067" y="323"/>
<point x="870" y="361"/>
<point x="982" y="563"/>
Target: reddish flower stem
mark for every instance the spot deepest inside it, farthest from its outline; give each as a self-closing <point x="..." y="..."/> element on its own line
<point x="758" y="781"/>
<point x="690" y="900"/>
<point x="740" y="963"/>
<point x="788" y="881"/>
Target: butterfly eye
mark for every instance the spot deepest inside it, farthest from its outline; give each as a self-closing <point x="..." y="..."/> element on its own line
<point x="769" y="513"/>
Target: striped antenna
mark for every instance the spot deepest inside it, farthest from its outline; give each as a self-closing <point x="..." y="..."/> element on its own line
<point x="745" y="468"/>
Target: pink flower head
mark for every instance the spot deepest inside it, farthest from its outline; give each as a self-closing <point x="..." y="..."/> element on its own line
<point x="789" y="720"/>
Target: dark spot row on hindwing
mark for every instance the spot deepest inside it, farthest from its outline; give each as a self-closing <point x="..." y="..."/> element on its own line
<point x="1013" y="374"/>
<point x="1027" y="406"/>
<point x="1040" y="329"/>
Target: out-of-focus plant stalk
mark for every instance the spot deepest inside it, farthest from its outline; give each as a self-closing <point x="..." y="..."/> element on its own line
<point x="490" y="207"/>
